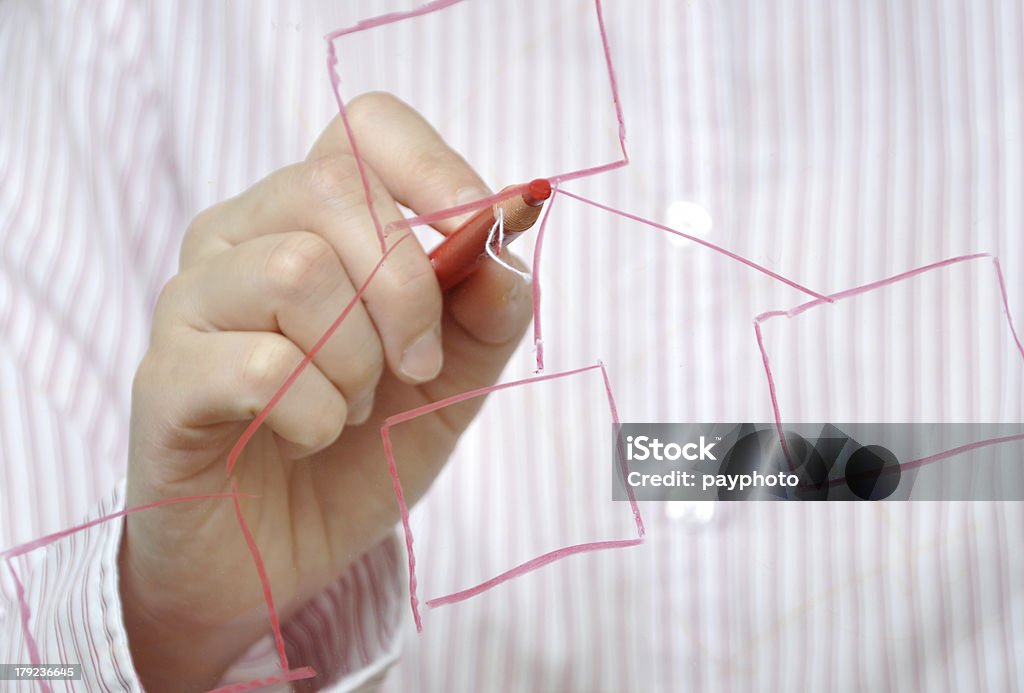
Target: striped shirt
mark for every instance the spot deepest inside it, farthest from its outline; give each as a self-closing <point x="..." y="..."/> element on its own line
<point x="834" y="143"/>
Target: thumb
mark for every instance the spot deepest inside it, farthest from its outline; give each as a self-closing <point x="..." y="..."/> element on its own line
<point x="485" y="318"/>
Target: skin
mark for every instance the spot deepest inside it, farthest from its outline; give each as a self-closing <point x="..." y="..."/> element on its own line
<point x="262" y="275"/>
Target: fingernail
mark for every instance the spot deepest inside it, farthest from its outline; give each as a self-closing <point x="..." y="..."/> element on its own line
<point x="471" y="194"/>
<point x="360" y="411"/>
<point x="421" y="361"/>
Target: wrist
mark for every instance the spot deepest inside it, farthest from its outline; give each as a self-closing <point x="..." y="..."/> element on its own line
<point x="170" y="650"/>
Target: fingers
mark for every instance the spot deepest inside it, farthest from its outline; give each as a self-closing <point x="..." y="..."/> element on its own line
<point x="403" y="156"/>
<point x="218" y="377"/>
<point x="415" y="164"/>
<point x="325" y="196"/>
<point x="291" y="283"/>
<point x="487" y="315"/>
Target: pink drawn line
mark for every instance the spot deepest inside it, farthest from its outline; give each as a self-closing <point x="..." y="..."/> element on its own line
<point x="1006" y="305"/>
<point x="473" y="206"/>
<point x="612" y="82"/>
<point x="774" y="394"/>
<point x="531" y="565"/>
<point x="586" y="172"/>
<point x="391" y="18"/>
<point x="428" y="8"/>
<point x="13" y="552"/>
<point x="403" y="506"/>
<point x="255" y="684"/>
<point x="945" y="454"/>
<point x="538" y="341"/>
<point x="864" y="288"/>
<point x="250" y="431"/>
<point x="332" y="72"/>
<point x="261" y="570"/>
<point x="26" y="615"/>
<point x="621" y="453"/>
<point x="57" y="536"/>
<point x="706" y="244"/>
<point x="335" y="78"/>
<point x="614" y="86"/>
<point x="937" y="457"/>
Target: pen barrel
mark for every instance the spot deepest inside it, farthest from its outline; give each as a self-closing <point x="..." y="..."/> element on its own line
<point x="459" y="255"/>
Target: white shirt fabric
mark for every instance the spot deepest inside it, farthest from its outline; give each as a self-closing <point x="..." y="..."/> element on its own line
<point x="833" y="143"/>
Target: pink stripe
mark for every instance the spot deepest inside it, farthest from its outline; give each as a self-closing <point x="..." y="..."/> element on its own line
<point x="357" y="599"/>
<point x="1002" y="551"/>
<point x="976" y="624"/>
<point x="376" y="598"/>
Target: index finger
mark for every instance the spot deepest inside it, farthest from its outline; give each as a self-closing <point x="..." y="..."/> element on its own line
<point x="411" y="158"/>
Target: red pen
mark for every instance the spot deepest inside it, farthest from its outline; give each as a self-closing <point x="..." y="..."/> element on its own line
<point x="461" y="253"/>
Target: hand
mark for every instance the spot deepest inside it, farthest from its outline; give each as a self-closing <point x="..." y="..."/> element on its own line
<point x="262" y="276"/>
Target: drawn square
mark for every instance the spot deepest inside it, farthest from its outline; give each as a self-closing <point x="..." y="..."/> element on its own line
<point x="944" y="332"/>
<point x="556" y="44"/>
<point x="550" y="556"/>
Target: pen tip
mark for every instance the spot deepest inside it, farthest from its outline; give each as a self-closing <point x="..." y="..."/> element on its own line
<point x="538" y="190"/>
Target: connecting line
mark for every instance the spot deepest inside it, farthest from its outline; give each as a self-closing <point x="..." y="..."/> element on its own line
<point x="700" y="241"/>
<point x="863" y="289"/>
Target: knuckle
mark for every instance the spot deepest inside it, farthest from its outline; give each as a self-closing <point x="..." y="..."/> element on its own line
<point x="325" y="428"/>
<point x="171" y="295"/>
<point x="413" y="290"/>
<point x="146" y="377"/>
<point x="436" y="162"/>
<point x="300" y="263"/>
<point x="263" y="367"/>
<point x="370" y="104"/>
<point x="197" y="231"/>
<point x="369" y="107"/>
<point x="367" y="368"/>
<point x="159" y="373"/>
<point x="332" y="179"/>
